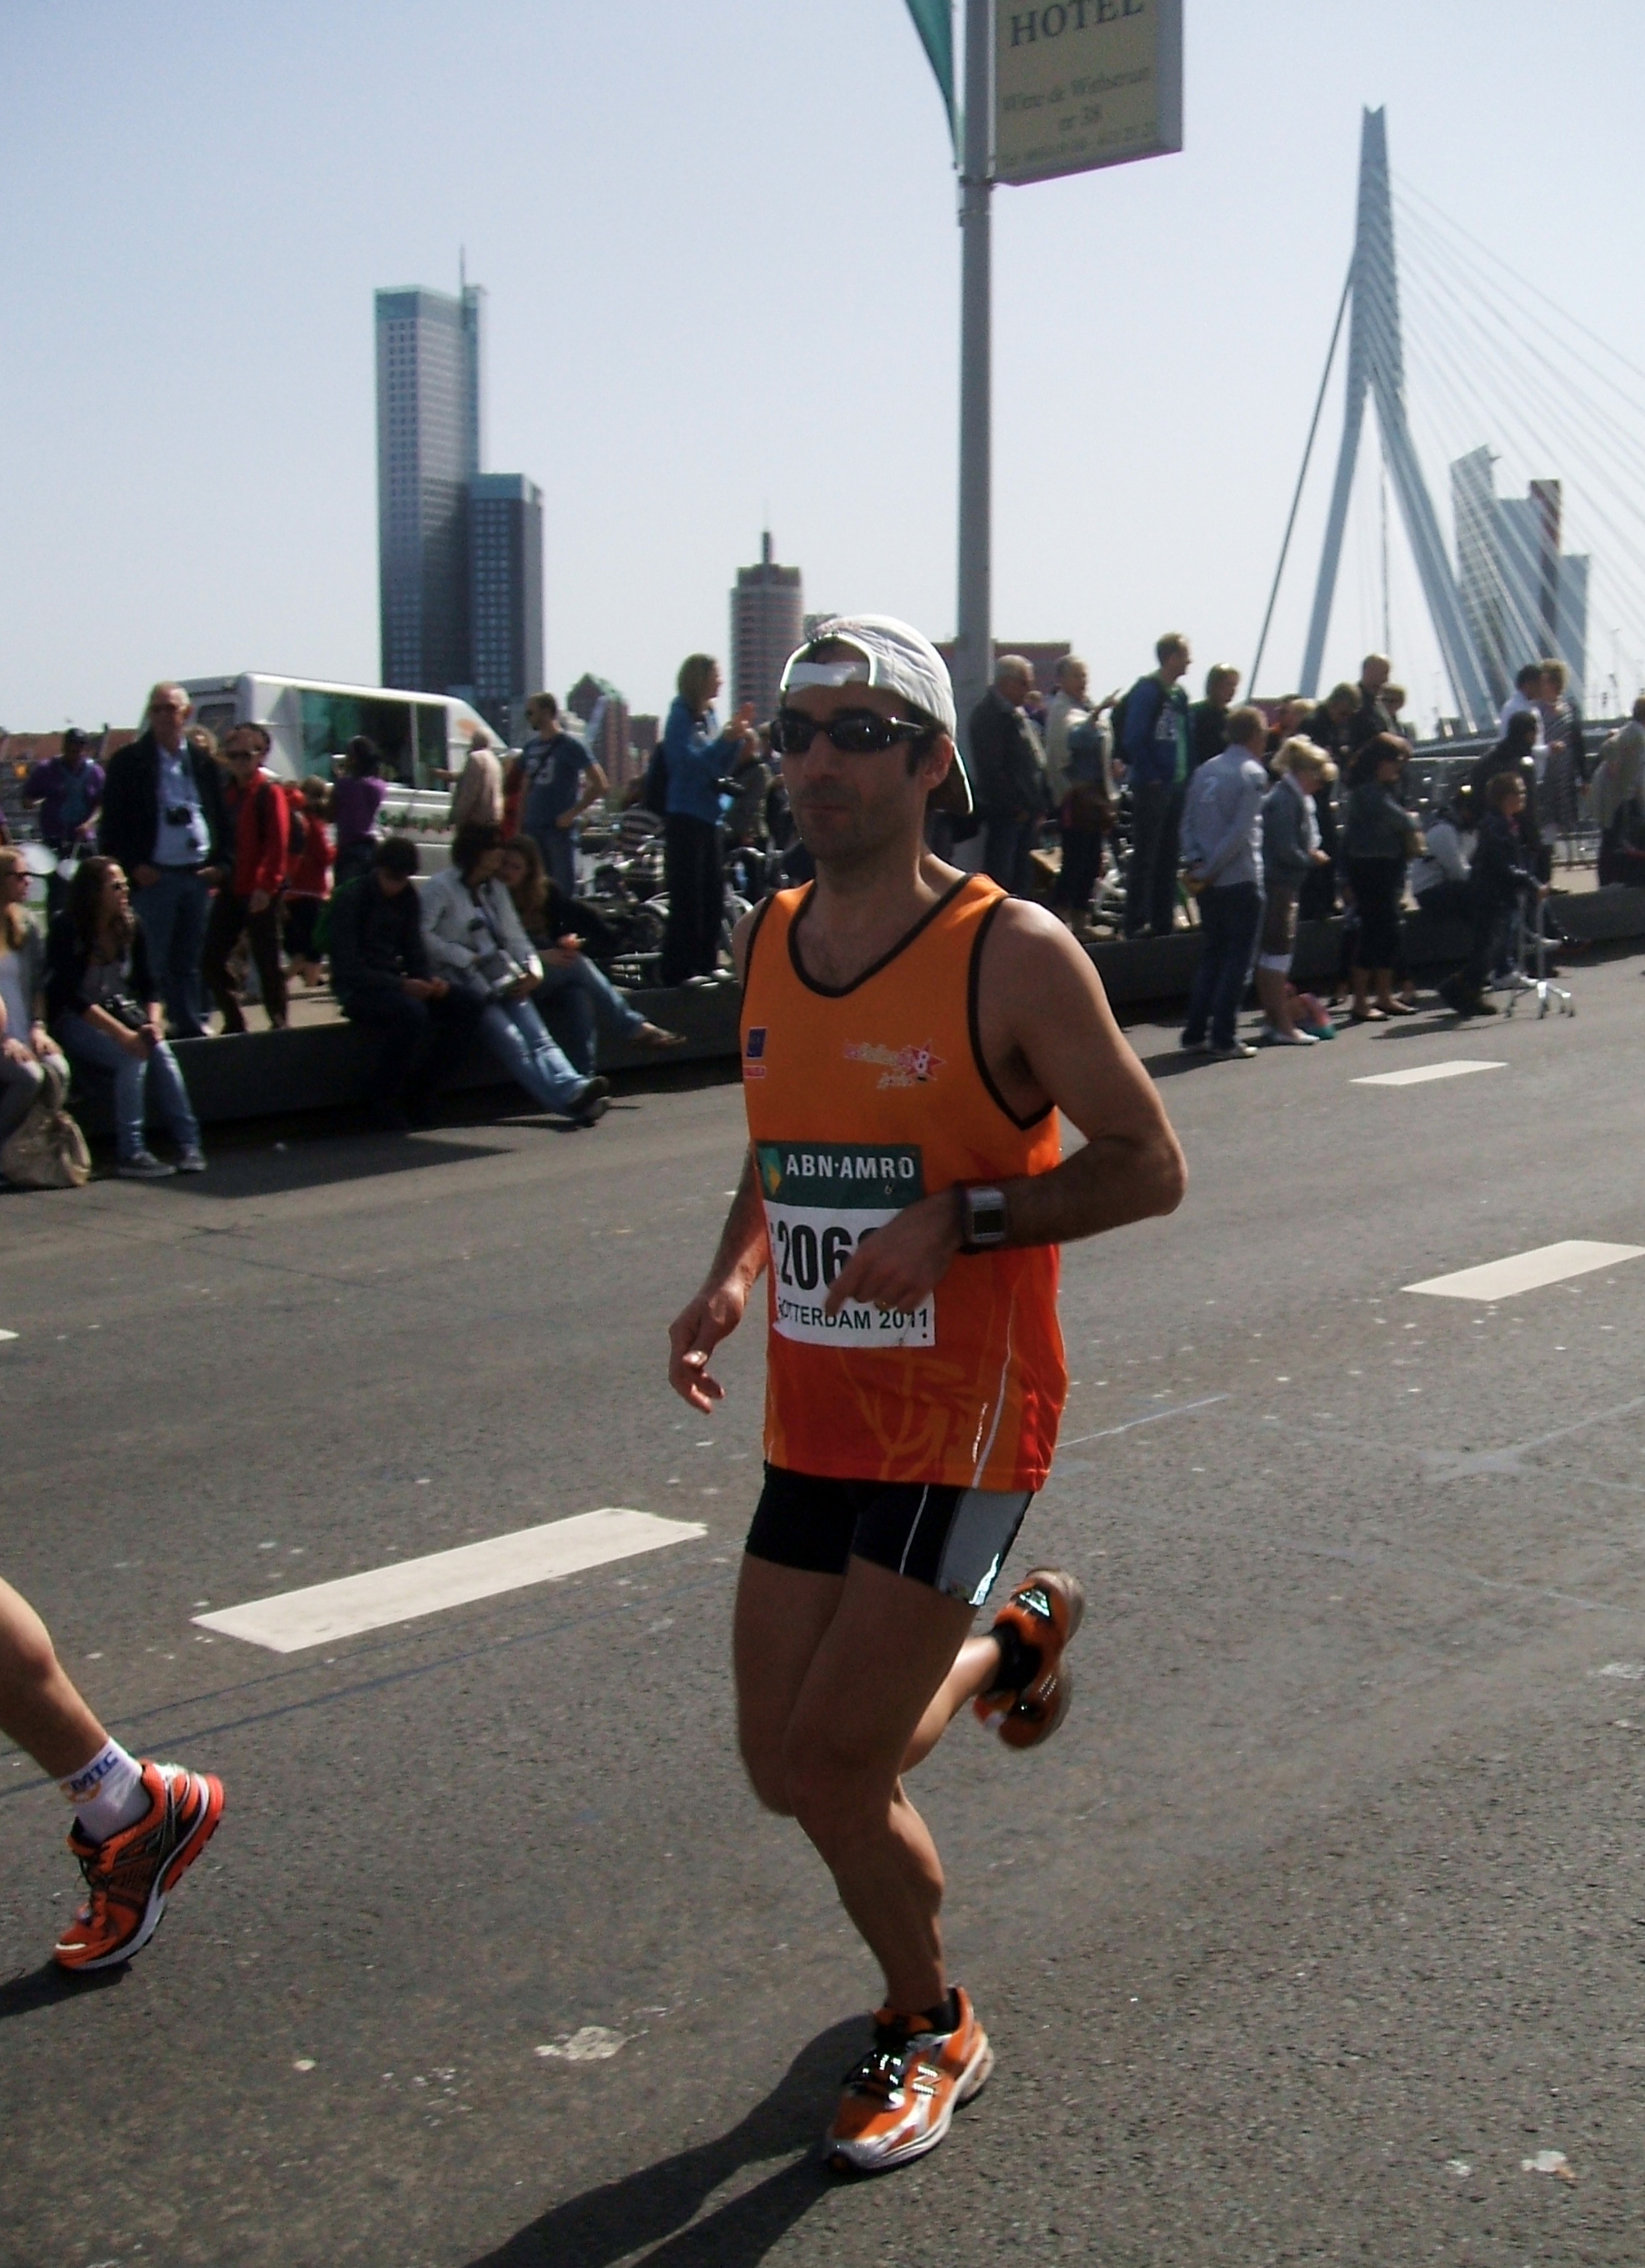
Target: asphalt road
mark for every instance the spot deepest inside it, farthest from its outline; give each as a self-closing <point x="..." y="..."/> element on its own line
<point x="1321" y="1917"/>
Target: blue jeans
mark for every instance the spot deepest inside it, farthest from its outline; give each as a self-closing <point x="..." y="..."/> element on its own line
<point x="573" y="999"/>
<point x="518" y="1038"/>
<point x="559" y="849"/>
<point x="1006" y="845"/>
<point x="1230" y="919"/>
<point x="173" y="911"/>
<point x="139" y="1080"/>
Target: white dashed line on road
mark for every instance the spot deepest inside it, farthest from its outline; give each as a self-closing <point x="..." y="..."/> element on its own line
<point x="8" y="1334"/>
<point x="1528" y="1271"/>
<point x="414" y="1588"/>
<point x="1419" y="1074"/>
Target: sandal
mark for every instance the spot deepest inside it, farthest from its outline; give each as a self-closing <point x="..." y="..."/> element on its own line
<point x="654" y="1036"/>
<point x="1366" y="1016"/>
<point x="1400" y="1007"/>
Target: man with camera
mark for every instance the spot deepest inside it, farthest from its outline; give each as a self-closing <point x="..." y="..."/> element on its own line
<point x="163" y="822"/>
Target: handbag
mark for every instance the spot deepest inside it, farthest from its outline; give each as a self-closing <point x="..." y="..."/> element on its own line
<point x="48" y="1150"/>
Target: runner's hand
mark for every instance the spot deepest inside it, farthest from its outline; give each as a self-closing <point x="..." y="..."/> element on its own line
<point x="897" y="1266"/>
<point x="693" y="1336"/>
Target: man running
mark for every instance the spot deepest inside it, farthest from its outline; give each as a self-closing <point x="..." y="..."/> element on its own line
<point x="909" y="1036"/>
<point x="138" y="1826"/>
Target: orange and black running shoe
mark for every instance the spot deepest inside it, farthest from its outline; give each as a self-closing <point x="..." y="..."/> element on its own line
<point x="899" y="2101"/>
<point x="130" y="1877"/>
<point x="1040" y="1617"/>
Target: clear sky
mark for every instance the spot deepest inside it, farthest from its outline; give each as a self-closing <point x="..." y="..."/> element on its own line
<point x="724" y="274"/>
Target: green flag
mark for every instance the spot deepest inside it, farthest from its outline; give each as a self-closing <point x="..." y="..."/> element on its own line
<point x="934" y="22"/>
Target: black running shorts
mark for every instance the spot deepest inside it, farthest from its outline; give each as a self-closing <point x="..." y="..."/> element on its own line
<point x="954" y="1539"/>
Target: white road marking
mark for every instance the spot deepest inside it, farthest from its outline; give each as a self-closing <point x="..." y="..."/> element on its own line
<point x="1420" y="1073"/>
<point x="1182" y="1410"/>
<point x="8" y="1334"/>
<point x="447" y="1578"/>
<point x="1527" y="1271"/>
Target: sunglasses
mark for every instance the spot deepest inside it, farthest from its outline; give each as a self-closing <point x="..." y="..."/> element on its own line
<point x="853" y="731"/>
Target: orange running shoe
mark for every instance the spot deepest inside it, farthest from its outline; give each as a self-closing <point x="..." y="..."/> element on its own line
<point x="1043" y="1612"/>
<point x="131" y="1876"/>
<point x="899" y="2100"/>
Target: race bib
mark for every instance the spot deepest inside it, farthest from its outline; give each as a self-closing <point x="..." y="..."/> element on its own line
<point x="822" y="1199"/>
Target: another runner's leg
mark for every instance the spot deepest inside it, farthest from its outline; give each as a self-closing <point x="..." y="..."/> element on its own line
<point x="138" y="1825"/>
<point x="1014" y="1672"/>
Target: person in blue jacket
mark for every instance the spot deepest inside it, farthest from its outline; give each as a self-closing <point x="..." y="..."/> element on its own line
<point x="1153" y="743"/>
<point x="698" y="757"/>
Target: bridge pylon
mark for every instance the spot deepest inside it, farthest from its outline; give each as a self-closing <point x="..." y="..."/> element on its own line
<point x="1376" y="367"/>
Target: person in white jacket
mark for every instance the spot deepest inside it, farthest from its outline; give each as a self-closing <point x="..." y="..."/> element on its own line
<point x="474" y="941"/>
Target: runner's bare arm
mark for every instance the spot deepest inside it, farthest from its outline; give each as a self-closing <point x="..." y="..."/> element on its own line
<point x="1048" y="1037"/>
<point x="738" y="1265"/>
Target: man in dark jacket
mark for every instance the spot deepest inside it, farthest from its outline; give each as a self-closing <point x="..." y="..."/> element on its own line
<point x="1009" y="771"/>
<point x="1371" y="714"/>
<point x="163" y="822"/>
<point x="380" y="975"/>
<point x="1154" y="743"/>
<point x="1331" y="727"/>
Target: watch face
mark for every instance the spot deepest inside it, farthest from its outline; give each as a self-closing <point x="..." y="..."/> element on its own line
<point x="987" y="1221"/>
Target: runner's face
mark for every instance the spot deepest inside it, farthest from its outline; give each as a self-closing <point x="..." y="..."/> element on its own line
<point x="848" y="807"/>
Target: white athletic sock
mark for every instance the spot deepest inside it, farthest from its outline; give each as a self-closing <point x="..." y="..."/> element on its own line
<point x="107" y="1793"/>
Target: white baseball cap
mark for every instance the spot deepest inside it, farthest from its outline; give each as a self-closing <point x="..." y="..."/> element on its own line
<point x="896" y="658"/>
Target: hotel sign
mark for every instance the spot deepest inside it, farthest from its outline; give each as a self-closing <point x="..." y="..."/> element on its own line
<point x="1080" y="84"/>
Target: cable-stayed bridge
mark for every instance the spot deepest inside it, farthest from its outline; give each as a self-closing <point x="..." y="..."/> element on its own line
<point x="1464" y="365"/>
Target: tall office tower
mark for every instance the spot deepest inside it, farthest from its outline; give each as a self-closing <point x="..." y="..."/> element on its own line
<point x="604" y="715"/>
<point x="1524" y="599"/>
<point x="505" y="597"/>
<point x="767" y="623"/>
<point x="428" y="452"/>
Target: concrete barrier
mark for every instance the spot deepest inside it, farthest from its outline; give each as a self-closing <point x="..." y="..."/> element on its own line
<point x="323" y="1066"/>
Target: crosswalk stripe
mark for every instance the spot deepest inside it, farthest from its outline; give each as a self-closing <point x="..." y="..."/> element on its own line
<point x="1528" y="1271"/>
<point x="411" y="1587"/>
<point x="1419" y="1074"/>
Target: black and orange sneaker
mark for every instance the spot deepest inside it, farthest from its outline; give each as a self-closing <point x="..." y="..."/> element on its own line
<point x="131" y="1876"/>
<point x="899" y="2101"/>
<point x="1034" y="1626"/>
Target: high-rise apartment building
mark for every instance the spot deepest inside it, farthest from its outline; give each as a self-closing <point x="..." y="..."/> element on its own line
<point x="767" y="623"/>
<point x="1524" y="599"/>
<point x="428" y="451"/>
<point x="504" y="597"/>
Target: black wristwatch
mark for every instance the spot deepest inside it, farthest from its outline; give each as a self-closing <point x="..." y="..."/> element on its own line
<point x="982" y="1217"/>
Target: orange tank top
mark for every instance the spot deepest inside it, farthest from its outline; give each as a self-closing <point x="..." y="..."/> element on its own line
<point x="860" y="1100"/>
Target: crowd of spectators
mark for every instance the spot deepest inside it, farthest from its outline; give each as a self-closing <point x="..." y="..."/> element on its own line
<point x="187" y="875"/>
<point x="1168" y="812"/>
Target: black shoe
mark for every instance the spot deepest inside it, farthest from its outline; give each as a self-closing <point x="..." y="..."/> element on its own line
<point x="592" y="1102"/>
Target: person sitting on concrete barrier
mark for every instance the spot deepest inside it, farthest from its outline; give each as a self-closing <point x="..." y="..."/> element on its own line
<point x="474" y="939"/>
<point x="257" y="825"/>
<point x="382" y="981"/>
<point x="1438" y="879"/>
<point x="575" y="995"/>
<point x="26" y="1044"/>
<point x="1290" y="853"/>
<point x="1222" y="848"/>
<point x="101" y="1001"/>
<point x="1502" y="878"/>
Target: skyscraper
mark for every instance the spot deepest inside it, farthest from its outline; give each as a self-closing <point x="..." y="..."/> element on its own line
<point x="428" y="452"/>
<point x="1524" y="599"/>
<point x="767" y="623"/>
<point x="505" y="596"/>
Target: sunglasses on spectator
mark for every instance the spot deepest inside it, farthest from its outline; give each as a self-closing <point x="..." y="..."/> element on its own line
<point x="853" y="731"/>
